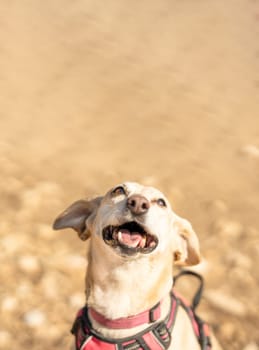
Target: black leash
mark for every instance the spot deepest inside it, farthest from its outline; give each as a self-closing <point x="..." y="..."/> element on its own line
<point x="204" y="337"/>
<point x="197" y="297"/>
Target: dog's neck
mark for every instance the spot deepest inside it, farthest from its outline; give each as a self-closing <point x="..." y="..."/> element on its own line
<point x="121" y="287"/>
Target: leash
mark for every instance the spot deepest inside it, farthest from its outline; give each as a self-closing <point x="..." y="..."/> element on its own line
<point x="198" y="295"/>
<point x="201" y="328"/>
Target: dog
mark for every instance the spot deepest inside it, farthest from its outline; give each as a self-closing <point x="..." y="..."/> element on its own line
<point x="135" y="240"/>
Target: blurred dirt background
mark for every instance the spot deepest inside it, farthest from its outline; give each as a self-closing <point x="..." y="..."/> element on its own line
<point x="93" y="93"/>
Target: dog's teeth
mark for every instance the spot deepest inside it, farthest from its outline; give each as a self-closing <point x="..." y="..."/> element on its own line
<point x="143" y="242"/>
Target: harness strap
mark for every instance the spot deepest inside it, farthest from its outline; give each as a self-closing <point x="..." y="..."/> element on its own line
<point x="154" y="337"/>
<point x="148" y="316"/>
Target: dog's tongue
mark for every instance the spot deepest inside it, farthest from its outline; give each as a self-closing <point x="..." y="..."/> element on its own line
<point x="131" y="239"/>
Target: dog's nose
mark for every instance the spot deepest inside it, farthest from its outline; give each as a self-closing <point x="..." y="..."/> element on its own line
<point x="138" y="204"/>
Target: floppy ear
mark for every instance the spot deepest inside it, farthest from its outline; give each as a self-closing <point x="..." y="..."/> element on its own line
<point x="76" y="215"/>
<point x="186" y="249"/>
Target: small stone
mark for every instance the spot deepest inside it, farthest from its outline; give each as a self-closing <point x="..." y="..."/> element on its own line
<point x="241" y="276"/>
<point x="237" y="259"/>
<point x="251" y="346"/>
<point x="23" y="290"/>
<point x="227" y="330"/>
<point x="46" y="232"/>
<point x="229" y="229"/>
<point x="77" y="300"/>
<point x="175" y="195"/>
<point x="54" y="332"/>
<point x="9" y="303"/>
<point x="8" y="166"/>
<point x="226" y="302"/>
<point x="149" y="180"/>
<point x="34" y="197"/>
<point x="35" y="201"/>
<point x="5" y="227"/>
<point x="5" y="339"/>
<point x="30" y="265"/>
<point x="217" y="206"/>
<point x="14" y="185"/>
<point x="75" y="261"/>
<point x="252" y="232"/>
<point x="34" y="318"/>
<point x="14" y="243"/>
<point x="49" y="285"/>
<point x="251" y="151"/>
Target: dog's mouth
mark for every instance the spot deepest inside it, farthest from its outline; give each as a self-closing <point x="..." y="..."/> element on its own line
<point x="130" y="237"/>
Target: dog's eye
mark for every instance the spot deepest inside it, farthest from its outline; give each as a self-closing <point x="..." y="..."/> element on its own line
<point x="161" y="202"/>
<point x="118" y="191"/>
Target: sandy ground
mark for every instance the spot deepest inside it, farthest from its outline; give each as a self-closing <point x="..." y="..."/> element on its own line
<point x="93" y="93"/>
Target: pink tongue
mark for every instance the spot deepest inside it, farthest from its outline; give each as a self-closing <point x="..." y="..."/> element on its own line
<point x="130" y="239"/>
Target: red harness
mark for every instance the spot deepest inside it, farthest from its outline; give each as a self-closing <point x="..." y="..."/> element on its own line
<point x="155" y="337"/>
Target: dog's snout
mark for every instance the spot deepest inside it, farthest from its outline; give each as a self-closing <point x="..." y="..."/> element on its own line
<point x="138" y="204"/>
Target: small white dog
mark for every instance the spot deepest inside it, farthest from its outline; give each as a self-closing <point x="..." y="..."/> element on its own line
<point x="135" y="240"/>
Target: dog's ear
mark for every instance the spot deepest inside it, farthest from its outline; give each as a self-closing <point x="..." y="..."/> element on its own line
<point x="186" y="245"/>
<point x="76" y="215"/>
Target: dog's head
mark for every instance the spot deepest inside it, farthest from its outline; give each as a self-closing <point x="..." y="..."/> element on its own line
<point x="133" y="220"/>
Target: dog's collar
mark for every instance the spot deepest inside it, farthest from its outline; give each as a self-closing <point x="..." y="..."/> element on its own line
<point x="145" y="317"/>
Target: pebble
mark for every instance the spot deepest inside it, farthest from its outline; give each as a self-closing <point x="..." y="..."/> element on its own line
<point x="251" y="151"/>
<point x="74" y="262"/>
<point x="24" y="289"/>
<point x="46" y="232"/>
<point x="34" y="201"/>
<point x="49" y="286"/>
<point x="227" y="330"/>
<point x="5" y="226"/>
<point x="252" y="232"/>
<point x="9" y="303"/>
<point x="251" y="346"/>
<point x="5" y="339"/>
<point x="14" y="243"/>
<point x="30" y="265"/>
<point x="34" y="318"/>
<point x="7" y="165"/>
<point x="175" y="195"/>
<point x="149" y="180"/>
<point x="71" y="262"/>
<point x="237" y="259"/>
<point x="218" y="206"/>
<point x="77" y="300"/>
<point x="14" y="185"/>
<point x="54" y="333"/>
<point x="33" y="197"/>
<point x="226" y="302"/>
<point x="229" y="229"/>
<point x="241" y="276"/>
